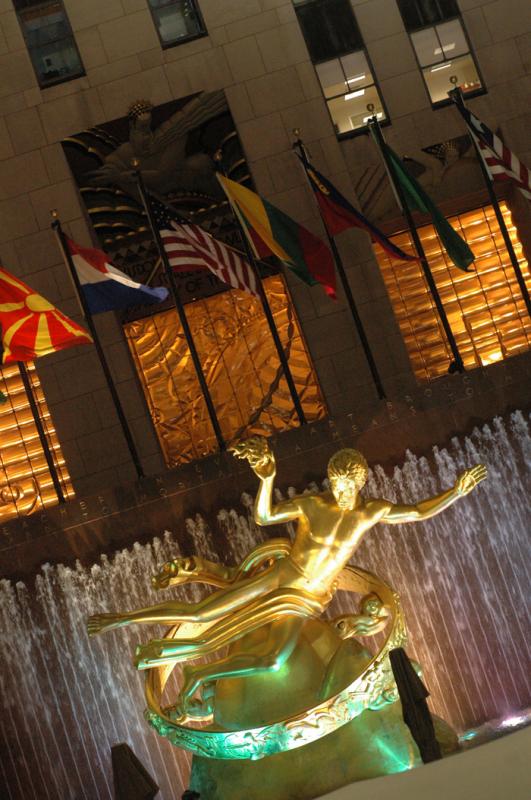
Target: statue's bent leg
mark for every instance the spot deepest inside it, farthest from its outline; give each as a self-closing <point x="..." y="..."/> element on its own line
<point x="216" y="605"/>
<point x="266" y="610"/>
<point x="270" y="657"/>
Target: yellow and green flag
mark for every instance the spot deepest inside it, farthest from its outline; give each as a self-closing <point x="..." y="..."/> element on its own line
<point x="271" y="232"/>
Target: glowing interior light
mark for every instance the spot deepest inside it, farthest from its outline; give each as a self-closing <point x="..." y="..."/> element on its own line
<point x="441" y="66"/>
<point x="354" y="80"/>
<point x="352" y="95"/>
<point x="379" y="115"/>
<point x="512" y="722"/>
<point x="444" y="49"/>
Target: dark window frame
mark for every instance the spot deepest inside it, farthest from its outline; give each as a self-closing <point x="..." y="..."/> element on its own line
<point x="46" y="84"/>
<point x="362" y="130"/>
<point x="442" y="103"/>
<point x="182" y="39"/>
<point x="421" y="26"/>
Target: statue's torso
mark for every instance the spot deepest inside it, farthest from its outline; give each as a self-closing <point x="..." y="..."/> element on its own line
<point x="328" y="536"/>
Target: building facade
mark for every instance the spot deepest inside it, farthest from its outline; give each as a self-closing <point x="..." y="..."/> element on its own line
<point x="284" y="66"/>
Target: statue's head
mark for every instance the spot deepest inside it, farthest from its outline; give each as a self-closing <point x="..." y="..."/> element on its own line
<point x="140" y="110"/>
<point x="347" y="473"/>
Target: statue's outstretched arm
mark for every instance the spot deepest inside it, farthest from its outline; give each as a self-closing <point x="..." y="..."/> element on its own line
<point x="257" y="452"/>
<point x="468" y="480"/>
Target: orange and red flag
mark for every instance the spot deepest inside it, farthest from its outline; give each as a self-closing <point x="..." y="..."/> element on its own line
<point x="30" y="326"/>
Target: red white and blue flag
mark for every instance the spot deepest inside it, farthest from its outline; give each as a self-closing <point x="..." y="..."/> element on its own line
<point x="106" y="288"/>
<point x="339" y="215"/>
<point x="189" y="247"/>
<point x="501" y="163"/>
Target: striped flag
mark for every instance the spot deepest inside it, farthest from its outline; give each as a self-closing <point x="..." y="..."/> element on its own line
<point x="106" y="288"/>
<point x="189" y="247"/>
<point x="501" y="163"/>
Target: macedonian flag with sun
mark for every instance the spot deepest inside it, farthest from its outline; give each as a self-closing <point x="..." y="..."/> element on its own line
<point x="31" y="326"/>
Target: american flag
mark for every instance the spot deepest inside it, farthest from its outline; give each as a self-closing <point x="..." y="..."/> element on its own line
<point x="501" y="163"/>
<point x="189" y="247"/>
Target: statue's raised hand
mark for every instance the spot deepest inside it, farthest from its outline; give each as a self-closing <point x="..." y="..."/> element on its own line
<point x="470" y="478"/>
<point x="257" y="452"/>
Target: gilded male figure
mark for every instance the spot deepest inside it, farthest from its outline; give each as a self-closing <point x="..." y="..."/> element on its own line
<point x="288" y="583"/>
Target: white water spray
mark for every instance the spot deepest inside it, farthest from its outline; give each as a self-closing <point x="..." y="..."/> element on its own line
<point x="462" y="576"/>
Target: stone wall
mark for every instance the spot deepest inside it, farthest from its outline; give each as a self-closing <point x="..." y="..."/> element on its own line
<point x="256" y="53"/>
<point x="117" y="516"/>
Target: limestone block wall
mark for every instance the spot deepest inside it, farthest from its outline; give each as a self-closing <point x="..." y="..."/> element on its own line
<point x="256" y="53"/>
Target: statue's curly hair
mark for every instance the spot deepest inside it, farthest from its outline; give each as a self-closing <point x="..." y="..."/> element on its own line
<point x="351" y="464"/>
<point x="139" y="107"/>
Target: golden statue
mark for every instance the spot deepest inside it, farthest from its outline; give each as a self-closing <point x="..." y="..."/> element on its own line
<point x="263" y="607"/>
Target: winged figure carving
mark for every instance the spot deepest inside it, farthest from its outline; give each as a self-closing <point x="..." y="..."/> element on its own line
<point x="163" y="153"/>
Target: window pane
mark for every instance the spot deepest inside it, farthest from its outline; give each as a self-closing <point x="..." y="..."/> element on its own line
<point x="438" y="78"/>
<point x="452" y="38"/>
<point x="238" y="356"/>
<point x="418" y="13"/>
<point x="357" y="70"/>
<point x="56" y="61"/>
<point x="176" y="20"/>
<point x="26" y="485"/>
<point x="427" y="47"/>
<point x="329" y="28"/>
<point x="50" y="42"/>
<point x="485" y="307"/>
<point x="350" y="111"/>
<point x="332" y="78"/>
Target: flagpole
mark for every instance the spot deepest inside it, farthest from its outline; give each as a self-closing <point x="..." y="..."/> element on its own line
<point x="180" y="310"/>
<point x="218" y="157"/>
<point x="457" y="96"/>
<point x="56" y="225"/>
<point x="458" y="361"/>
<point x="40" y="430"/>
<point x="299" y="144"/>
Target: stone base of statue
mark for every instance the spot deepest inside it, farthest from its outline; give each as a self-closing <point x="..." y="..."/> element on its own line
<point x="373" y="744"/>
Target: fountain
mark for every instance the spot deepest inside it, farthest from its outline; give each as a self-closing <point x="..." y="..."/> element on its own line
<point x="67" y="700"/>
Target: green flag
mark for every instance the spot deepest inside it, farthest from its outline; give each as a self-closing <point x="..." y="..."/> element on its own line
<point x="416" y="198"/>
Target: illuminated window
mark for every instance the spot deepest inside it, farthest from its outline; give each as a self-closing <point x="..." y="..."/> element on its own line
<point x="25" y="481"/>
<point x="485" y="308"/>
<point x="176" y="21"/>
<point x="441" y="46"/>
<point x="241" y="365"/>
<point x="49" y="40"/>
<point x="341" y="62"/>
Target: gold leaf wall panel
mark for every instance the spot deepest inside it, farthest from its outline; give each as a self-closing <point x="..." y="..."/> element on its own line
<point x="241" y="366"/>
<point x="25" y="481"/>
<point x="485" y="307"/>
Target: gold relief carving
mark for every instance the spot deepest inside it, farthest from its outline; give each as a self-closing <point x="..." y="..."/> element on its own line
<point x="241" y="366"/>
<point x="19" y="498"/>
<point x="25" y="481"/>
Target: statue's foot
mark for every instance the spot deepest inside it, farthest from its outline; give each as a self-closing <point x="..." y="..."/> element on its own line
<point x="149" y="655"/>
<point x="100" y="623"/>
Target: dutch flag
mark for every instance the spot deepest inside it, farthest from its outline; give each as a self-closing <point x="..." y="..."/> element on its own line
<point x="106" y="288"/>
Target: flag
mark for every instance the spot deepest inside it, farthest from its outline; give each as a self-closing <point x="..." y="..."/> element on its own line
<point x="30" y="325"/>
<point x="339" y="215"/>
<point x="271" y="232"/>
<point x="416" y="198"/>
<point x="106" y="288"/>
<point x="501" y="163"/>
<point x="189" y="247"/>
